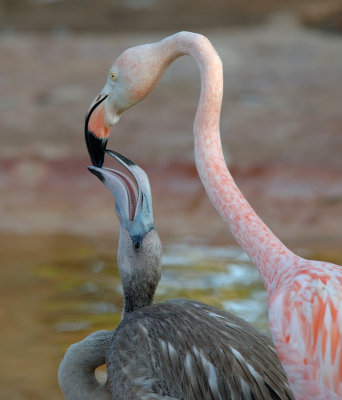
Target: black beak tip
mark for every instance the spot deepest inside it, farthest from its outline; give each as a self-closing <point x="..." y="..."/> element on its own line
<point x="117" y="155"/>
<point x="96" y="148"/>
<point x="96" y="172"/>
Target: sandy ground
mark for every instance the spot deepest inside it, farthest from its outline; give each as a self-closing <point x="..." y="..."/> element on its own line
<point x="281" y="133"/>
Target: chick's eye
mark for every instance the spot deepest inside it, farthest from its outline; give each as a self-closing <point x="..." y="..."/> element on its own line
<point x="113" y="76"/>
<point x="137" y="244"/>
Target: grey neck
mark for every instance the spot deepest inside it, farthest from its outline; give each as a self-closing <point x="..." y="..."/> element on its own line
<point x="138" y="292"/>
<point x="76" y="374"/>
<point x="140" y="269"/>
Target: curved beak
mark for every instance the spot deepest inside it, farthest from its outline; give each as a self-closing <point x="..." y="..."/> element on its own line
<point x="132" y="197"/>
<point x="98" y="123"/>
<point x="96" y="132"/>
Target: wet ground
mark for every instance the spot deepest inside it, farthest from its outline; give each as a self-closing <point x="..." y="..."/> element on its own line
<point x="281" y="132"/>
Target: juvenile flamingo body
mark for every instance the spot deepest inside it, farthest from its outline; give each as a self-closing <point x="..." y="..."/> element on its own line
<point x="304" y="297"/>
<point x="176" y="350"/>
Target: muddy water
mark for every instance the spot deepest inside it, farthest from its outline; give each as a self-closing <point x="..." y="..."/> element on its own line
<point x="57" y="289"/>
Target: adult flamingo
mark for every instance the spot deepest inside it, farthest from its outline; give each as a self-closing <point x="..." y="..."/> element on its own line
<point x="304" y="297"/>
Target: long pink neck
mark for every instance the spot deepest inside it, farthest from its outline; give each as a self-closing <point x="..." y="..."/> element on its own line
<point x="267" y="252"/>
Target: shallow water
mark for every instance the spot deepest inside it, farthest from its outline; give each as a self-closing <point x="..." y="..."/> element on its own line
<point x="88" y="297"/>
<point x="57" y="289"/>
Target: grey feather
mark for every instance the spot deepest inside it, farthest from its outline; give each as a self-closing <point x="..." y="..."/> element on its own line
<point x="238" y="354"/>
<point x="180" y="349"/>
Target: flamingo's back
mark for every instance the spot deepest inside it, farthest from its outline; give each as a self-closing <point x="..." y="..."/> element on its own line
<point x="306" y="326"/>
<point x="183" y="349"/>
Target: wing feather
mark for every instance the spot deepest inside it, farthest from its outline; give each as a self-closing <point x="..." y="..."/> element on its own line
<point x="309" y="338"/>
<point x="187" y="350"/>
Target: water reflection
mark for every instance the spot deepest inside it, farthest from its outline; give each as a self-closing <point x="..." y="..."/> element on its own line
<point x="90" y="298"/>
<point x="58" y="289"/>
<point x="223" y="277"/>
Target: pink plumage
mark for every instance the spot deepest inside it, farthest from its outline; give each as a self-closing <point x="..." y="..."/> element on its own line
<point x="304" y="297"/>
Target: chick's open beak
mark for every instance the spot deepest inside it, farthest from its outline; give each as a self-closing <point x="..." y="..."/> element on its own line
<point x="132" y="196"/>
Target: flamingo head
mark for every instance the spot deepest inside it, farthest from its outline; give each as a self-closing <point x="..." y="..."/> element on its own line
<point x="131" y="78"/>
<point x="133" y="198"/>
<point x="139" y="249"/>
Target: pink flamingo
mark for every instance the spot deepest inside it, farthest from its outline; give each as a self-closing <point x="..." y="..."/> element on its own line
<point x="304" y="296"/>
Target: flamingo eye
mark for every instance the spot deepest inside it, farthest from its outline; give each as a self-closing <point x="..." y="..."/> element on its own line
<point x="137" y="244"/>
<point x="113" y="76"/>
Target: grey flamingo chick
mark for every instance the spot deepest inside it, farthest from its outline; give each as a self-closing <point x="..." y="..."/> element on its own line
<point x="177" y="350"/>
